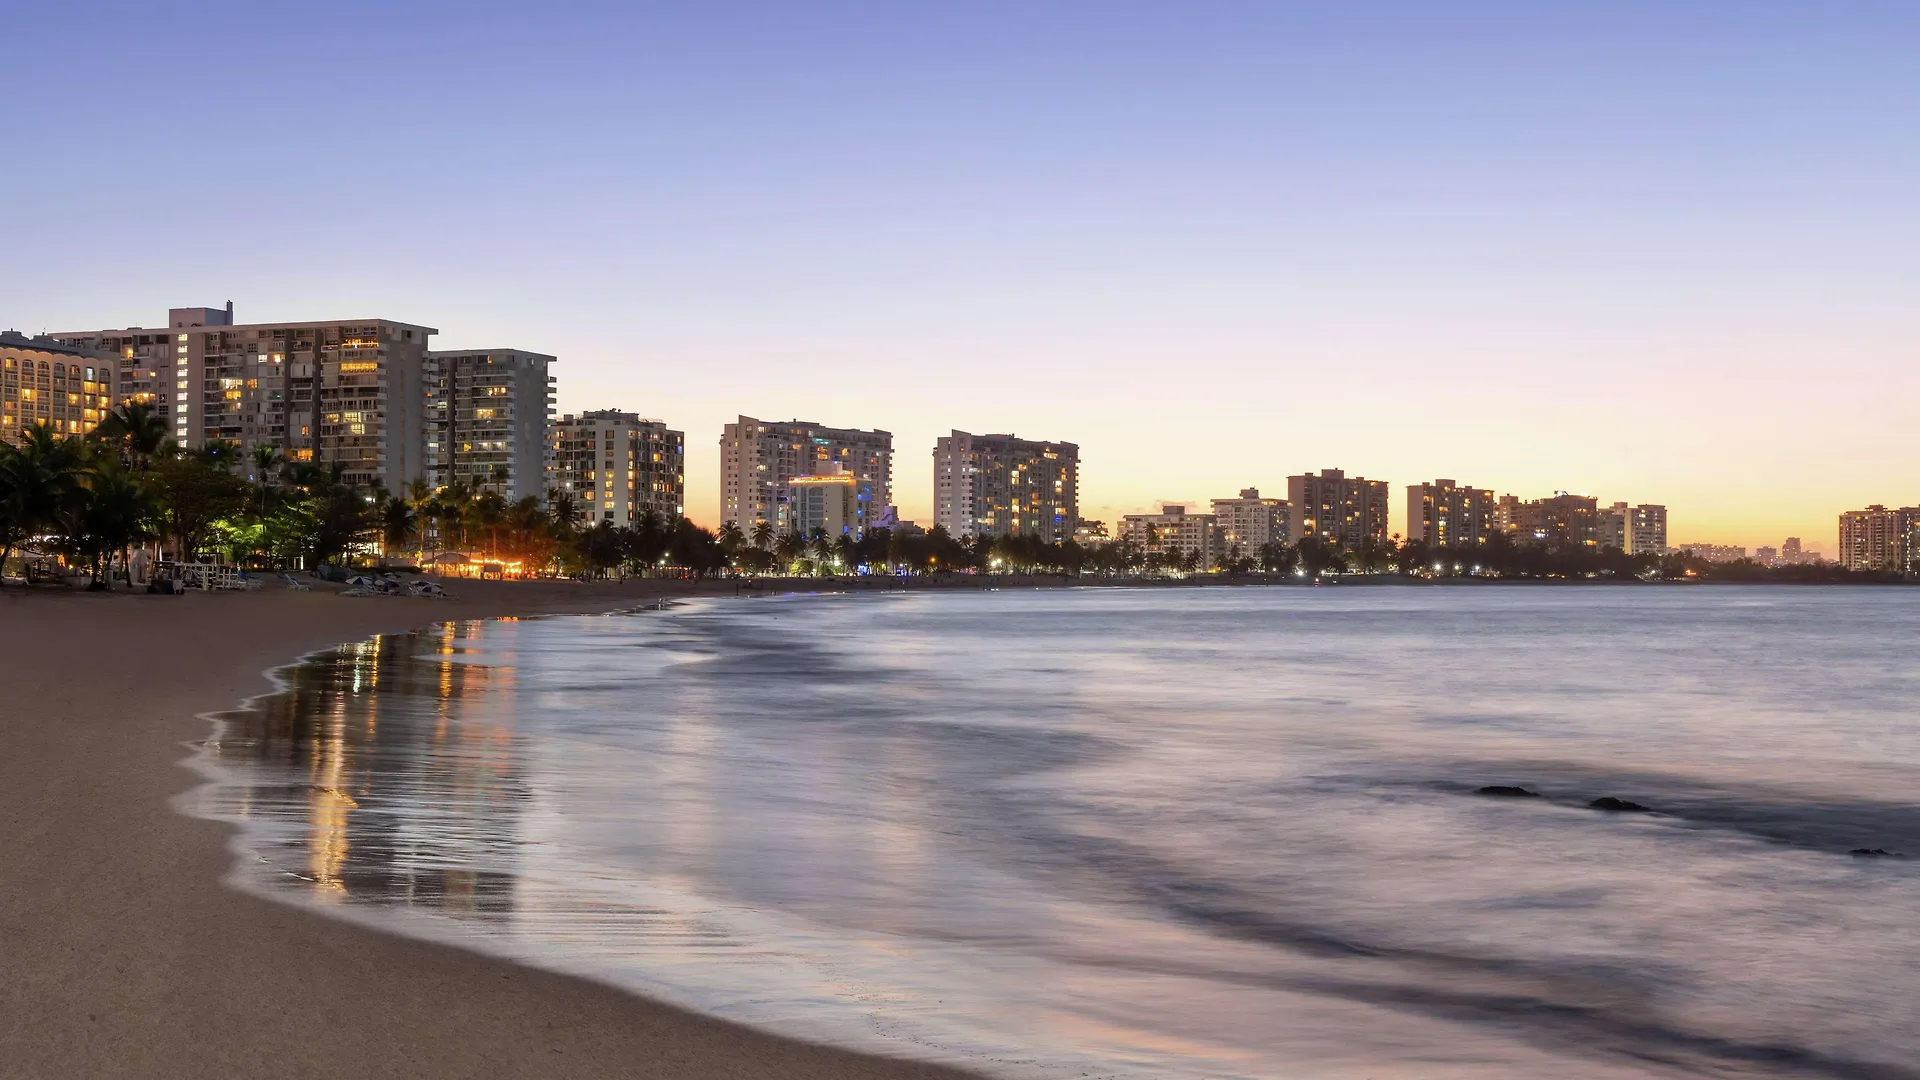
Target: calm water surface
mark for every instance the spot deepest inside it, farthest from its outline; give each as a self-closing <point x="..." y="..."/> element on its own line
<point x="1156" y="833"/>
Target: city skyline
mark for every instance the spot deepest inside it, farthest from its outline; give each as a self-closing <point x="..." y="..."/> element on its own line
<point x="1656" y="255"/>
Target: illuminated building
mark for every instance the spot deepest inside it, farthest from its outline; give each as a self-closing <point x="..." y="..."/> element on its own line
<point x="345" y="391"/>
<point x="1647" y="530"/>
<point x="618" y="466"/>
<point x="1251" y="522"/>
<point x="1347" y="511"/>
<point x="1445" y="514"/>
<point x="826" y="504"/>
<point x="1173" y="529"/>
<point x="1562" y="520"/>
<point x="1874" y="538"/>
<point x="759" y="459"/>
<point x="1715" y="553"/>
<point x="488" y="417"/>
<point x="42" y="380"/>
<point x="1001" y="485"/>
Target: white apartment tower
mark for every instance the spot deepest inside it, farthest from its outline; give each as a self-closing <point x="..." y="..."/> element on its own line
<point x="617" y="466"/>
<point x="1251" y="522"/>
<point x="345" y="391"/>
<point x="1000" y="485"/>
<point x="759" y="460"/>
<point x="1647" y="530"/>
<point x="488" y="417"/>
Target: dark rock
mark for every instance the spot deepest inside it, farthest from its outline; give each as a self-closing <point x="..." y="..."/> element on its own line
<point x="1502" y="791"/>
<point x="1875" y="853"/>
<point x="1619" y="806"/>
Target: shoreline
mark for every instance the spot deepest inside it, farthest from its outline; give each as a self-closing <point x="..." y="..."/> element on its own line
<point x="129" y="953"/>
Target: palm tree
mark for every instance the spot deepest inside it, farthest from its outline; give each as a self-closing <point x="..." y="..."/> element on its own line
<point x="398" y="523"/>
<point x="38" y="479"/>
<point x="763" y="534"/>
<point x="265" y="459"/>
<point x="731" y="538"/>
<point x="136" y="433"/>
<point x="113" y="512"/>
<point x="790" y="547"/>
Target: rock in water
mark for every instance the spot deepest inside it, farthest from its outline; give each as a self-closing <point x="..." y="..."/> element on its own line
<point x="1619" y="806"/>
<point x="1875" y="853"/>
<point x="1503" y="791"/>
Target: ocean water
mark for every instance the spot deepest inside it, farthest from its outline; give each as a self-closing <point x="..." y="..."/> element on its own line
<point x="1152" y="833"/>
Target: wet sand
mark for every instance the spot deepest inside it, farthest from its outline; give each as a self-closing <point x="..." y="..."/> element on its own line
<point x="122" y="954"/>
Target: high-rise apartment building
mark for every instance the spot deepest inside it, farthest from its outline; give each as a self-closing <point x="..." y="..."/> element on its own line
<point x="1613" y="526"/>
<point x="346" y="391"/>
<point x="43" y="381"/>
<point x="1562" y="520"/>
<point x="488" y="417"/>
<point x="618" y="466"/>
<point x="1175" y="530"/>
<point x="1647" y="530"/>
<point x="1251" y="522"/>
<point x="1446" y="514"/>
<point x="997" y="485"/>
<point x="1350" y="512"/>
<point x="760" y="458"/>
<point x="1875" y="538"/>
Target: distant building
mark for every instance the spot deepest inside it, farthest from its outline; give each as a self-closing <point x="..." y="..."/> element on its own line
<point x="759" y="459"/>
<point x="996" y="485"/>
<point x="351" y="392"/>
<point x="1562" y="520"/>
<point x="1350" y="512"/>
<point x="1173" y="529"/>
<point x="825" y="504"/>
<point x="1871" y="539"/>
<point x="489" y="415"/>
<point x="42" y="380"/>
<point x="1766" y="556"/>
<point x="1613" y="526"/>
<point x="1445" y="514"/>
<point x="1251" y="522"/>
<point x="1647" y="530"/>
<point x="617" y="466"/>
<point x="1718" y="553"/>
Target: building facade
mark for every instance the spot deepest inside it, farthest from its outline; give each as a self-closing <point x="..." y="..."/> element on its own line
<point x="1873" y="539"/>
<point x="759" y="459"/>
<point x="489" y="417"/>
<point x="1446" y="514"/>
<point x="1195" y="536"/>
<point x="1349" y="511"/>
<point x="827" y="504"/>
<point x="1647" y="530"/>
<point x="617" y="466"/>
<point x="44" y="381"/>
<point x="999" y="485"/>
<point x="1251" y="522"/>
<point x="1564" y="520"/>
<point x="351" y="392"/>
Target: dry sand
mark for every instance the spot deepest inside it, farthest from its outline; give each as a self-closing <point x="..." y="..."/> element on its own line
<point x="123" y="955"/>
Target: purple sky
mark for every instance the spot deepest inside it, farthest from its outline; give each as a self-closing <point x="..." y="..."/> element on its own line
<point x="1655" y="252"/>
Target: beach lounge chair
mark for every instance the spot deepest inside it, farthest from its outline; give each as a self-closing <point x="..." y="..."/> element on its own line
<point x="292" y="583"/>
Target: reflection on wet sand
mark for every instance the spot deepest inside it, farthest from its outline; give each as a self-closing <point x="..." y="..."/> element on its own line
<point x="400" y="803"/>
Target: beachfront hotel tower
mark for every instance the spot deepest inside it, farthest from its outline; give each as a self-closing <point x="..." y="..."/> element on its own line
<point x="760" y="458"/>
<point x="1001" y="485"/>
<point x="617" y="466"/>
<point x="1251" y="522"/>
<point x="1350" y="511"/>
<point x="488" y="417"/>
<point x="43" y="381"/>
<point x="1173" y="530"/>
<point x="1446" y="514"/>
<point x="345" y="391"/>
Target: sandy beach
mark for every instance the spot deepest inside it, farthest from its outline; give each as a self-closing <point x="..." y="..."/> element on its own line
<point x="123" y="954"/>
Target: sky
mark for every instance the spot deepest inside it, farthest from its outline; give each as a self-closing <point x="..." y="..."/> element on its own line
<point x="1654" y="252"/>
